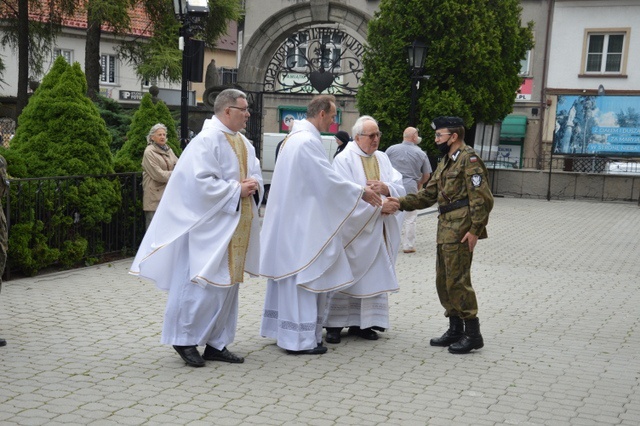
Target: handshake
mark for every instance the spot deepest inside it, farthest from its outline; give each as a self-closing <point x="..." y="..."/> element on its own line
<point x="390" y="205"/>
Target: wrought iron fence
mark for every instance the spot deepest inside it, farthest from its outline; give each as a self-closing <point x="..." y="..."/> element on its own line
<point x="34" y="199"/>
<point x="575" y="163"/>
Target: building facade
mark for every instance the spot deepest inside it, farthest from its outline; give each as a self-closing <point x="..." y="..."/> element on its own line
<point x="294" y="47"/>
<point x="593" y="87"/>
<point x="118" y="79"/>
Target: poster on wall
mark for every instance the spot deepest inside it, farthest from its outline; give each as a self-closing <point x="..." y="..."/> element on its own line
<point x="512" y="154"/>
<point x="597" y="125"/>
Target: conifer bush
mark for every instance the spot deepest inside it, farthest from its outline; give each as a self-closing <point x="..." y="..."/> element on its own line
<point x="117" y="119"/>
<point x="60" y="133"/>
<point x="129" y="158"/>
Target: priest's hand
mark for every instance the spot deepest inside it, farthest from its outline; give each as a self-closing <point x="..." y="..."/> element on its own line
<point x="390" y="205"/>
<point x="379" y="187"/>
<point x="372" y="197"/>
<point x="248" y="187"/>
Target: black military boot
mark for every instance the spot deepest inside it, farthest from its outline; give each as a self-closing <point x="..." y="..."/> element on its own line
<point x="472" y="338"/>
<point x="452" y="335"/>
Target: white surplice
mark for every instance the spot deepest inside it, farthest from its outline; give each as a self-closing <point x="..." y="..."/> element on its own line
<point x="186" y="248"/>
<point x="302" y="252"/>
<point x="371" y="251"/>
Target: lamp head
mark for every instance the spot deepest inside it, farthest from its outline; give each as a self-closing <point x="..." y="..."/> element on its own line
<point x="182" y="8"/>
<point x="417" y="52"/>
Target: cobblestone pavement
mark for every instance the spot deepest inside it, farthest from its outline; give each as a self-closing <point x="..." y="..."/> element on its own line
<point x="557" y="284"/>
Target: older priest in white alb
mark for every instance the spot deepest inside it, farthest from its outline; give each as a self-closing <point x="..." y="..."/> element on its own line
<point x="302" y="253"/>
<point x="372" y="251"/>
<point x="205" y="235"/>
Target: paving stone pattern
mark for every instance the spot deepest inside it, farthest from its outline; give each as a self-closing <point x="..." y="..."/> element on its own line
<point x="557" y="284"/>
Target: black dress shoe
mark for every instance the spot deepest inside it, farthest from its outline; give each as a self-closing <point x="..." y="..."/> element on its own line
<point x="213" y="354"/>
<point x="333" y="335"/>
<point x="190" y="355"/>
<point x="3" y="342"/>
<point x="365" y="333"/>
<point x="318" y="350"/>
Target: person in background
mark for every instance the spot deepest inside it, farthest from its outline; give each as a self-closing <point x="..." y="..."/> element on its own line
<point x="342" y="139"/>
<point x="372" y="250"/>
<point x="302" y="254"/>
<point x="460" y="187"/>
<point x="206" y="235"/>
<point x="158" y="161"/>
<point x="407" y="158"/>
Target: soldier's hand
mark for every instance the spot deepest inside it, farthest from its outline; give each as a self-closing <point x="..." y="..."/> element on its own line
<point x="371" y="197"/>
<point x="471" y="239"/>
<point x="390" y="205"/>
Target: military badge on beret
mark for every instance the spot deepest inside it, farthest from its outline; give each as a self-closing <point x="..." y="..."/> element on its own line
<point x="476" y="180"/>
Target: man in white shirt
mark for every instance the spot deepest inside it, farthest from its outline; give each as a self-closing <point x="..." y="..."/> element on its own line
<point x="413" y="163"/>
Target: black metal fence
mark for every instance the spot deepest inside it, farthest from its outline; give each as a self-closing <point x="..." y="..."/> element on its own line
<point x="573" y="163"/>
<point x="33" y="199"/>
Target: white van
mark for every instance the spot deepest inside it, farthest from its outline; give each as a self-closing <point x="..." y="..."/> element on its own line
<point x="268" y="159"/>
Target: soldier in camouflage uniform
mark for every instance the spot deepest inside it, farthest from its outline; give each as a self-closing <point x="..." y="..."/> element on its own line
<point x="459" y="186"/>
<point x="4" y="188"/>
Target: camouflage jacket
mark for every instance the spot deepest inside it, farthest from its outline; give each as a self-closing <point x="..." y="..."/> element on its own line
<point x="459" y="177"/>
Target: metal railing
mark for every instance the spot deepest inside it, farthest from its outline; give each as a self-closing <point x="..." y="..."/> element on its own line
<point x="46" y="199"/>
<point x="575" y="163"/>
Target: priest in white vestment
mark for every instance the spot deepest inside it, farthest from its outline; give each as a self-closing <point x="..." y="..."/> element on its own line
<point x="205" y="235"/>
<point x="302" y="252"/>
<point x="372" y="251"/>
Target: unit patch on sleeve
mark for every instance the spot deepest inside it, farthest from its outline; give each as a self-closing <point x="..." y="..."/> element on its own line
<point x="473" y="159"/>
<point x="476" y="180"/>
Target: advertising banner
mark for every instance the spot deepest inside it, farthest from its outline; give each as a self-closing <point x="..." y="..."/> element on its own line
<point x="597" y="125"/>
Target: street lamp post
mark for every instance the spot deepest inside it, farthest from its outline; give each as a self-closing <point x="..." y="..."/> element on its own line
<point x="185" y="10"/>
<point x="417" y="52"/>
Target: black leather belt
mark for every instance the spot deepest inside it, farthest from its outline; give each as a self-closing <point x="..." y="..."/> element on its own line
<point x="453" y="206"/>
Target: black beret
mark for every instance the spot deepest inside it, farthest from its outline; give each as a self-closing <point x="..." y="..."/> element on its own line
<point x="442" y="122"/>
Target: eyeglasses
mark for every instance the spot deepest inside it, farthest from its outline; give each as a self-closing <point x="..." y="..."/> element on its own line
<point x="439" y="135"/>
<point x="371" y="135"/>
<point x="241" y="109"/>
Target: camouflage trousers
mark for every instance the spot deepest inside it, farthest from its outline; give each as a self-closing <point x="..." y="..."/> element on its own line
<point x="453" y="280"/>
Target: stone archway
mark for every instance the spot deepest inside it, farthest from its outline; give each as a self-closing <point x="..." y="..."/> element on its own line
<point x="267" y="39"/>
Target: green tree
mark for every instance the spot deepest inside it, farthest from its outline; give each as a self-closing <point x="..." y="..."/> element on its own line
<point x="165" y="117"/>
<point x="129" y="158"/>
<point x="61" y="133"/>
<point x="117" y="120"/>
<point x="474" y="49"/>
<point x="115" y="14"/>
<point x="160" y="56"/>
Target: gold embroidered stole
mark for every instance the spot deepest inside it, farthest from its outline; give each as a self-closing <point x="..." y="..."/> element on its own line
<point x="372" y="172"/>
<point x="371" y="167"/>
<point x="240" y="241"/>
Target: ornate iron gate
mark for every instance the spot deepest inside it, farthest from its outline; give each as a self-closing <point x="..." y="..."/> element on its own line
<point x="254" y="125"/>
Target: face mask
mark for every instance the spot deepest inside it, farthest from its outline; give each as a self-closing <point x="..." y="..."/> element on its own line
<point x="443" y="148"/>
<point x="419" y="139"/>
